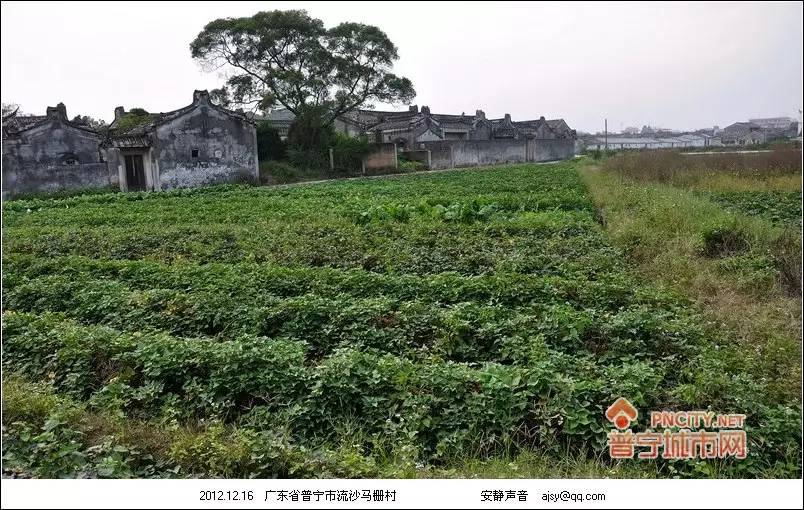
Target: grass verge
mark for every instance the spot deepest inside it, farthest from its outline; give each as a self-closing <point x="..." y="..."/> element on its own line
<point x="743" y="272"/>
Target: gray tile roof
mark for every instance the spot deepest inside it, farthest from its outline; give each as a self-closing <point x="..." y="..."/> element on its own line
<point x="156" y="119"/>
<point x="14" y="124"/>
<point x="395" y="122"/>
<point x="129" y="141"/>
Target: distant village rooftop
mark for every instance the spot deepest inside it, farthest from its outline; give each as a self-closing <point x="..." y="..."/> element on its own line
<point x="420" y="124"/>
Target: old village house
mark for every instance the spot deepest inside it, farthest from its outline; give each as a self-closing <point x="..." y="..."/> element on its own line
<point x="200" y="144"/>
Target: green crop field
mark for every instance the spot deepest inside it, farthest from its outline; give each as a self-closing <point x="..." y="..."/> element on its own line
<point x="404" y="326"/>
<point x="777" y="206"/>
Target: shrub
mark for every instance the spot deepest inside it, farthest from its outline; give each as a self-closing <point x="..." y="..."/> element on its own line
<point x="348" y="153"/>
<point x="786" y="252"/>
<point x="412" y="166"/>
<point x="270" y="146"/>
<point x="276" y="172"/>
<point x="309" y="141"/>
<point x="724" y="240"/>
<point x="132" y="119"/>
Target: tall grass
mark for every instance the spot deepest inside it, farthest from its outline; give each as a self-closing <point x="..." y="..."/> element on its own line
<point x="744" y="272"/>
<point x="782" y="165"/>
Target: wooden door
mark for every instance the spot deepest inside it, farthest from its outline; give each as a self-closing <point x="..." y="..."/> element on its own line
<point x="135" y="173"/>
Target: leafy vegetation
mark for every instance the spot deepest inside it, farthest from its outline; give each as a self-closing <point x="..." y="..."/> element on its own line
<point x="742" y="270"/>
<point x="777" y="206"/>
<point x="131" y="119"/>
<point x="289" y="58"/>
<point x="270" y="146"/>
<point x="474" y="322"/>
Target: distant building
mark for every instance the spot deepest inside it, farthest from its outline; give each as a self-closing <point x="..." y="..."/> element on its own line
<point x="280" y="119"/>
<point x="743" y="133"/>
<point x="406" y="128"/>
<point x="652" y="142"/>
<point x="760" y="131"/>
<point x="775" y="123"/>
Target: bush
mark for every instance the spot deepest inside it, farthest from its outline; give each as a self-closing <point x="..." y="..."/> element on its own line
<point x="132" y="119"/>
<point x="348" y="154"/>
<point x="411" y="166"/>
<point x="786" y="251"/>
<point x="276" y="172"/>
<point x="270" y="146"/>
<point x="723" y="241"/>
<point x="309" y="141"/>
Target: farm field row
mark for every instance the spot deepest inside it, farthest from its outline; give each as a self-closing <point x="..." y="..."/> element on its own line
<point x="393" y="327"/>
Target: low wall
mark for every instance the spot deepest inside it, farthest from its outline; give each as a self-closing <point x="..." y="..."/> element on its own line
<point x="458" y="153"/>
<point x="440" y="154"/>
<point x="384" y="158"/>
<point x="23" y="180"/>
<point x="550" y="150"/>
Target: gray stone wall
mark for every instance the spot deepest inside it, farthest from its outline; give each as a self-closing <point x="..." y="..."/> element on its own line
<point x="448" y="154"/>
<point x="226" y="150"/>
<point x="440" y="154"/>
<point x="53" y="157"/>
<point x="488" y="152"/>
<point x="384" y="158"/>
<point x="550" y="150"/>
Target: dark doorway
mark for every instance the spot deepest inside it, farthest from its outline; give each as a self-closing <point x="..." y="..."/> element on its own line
<point x="135" y="173"/>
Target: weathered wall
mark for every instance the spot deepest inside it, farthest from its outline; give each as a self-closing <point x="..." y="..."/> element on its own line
<point x="550" y="150"/>
<point x="488" y="152"/>
<point x="347" y="128"/>
<point x="38" y="160"/>
<point x="226" y="145"/>
<point x="440" y="154"/>
<point x="447" y="154"/>
<point x="383" y="158"/>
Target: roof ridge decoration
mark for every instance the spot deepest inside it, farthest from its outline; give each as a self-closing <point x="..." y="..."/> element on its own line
<point x="11" y="115"/>
<point x="200" y="98"/>
<point x="14" y="124"/>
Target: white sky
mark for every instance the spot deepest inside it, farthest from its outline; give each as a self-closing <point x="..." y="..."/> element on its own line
<point x="680" y="65"/>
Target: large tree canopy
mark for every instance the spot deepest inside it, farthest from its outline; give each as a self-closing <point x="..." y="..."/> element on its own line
<point x="289" y="58"/>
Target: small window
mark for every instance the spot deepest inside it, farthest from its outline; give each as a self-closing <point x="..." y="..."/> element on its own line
<point x="195" y="153"/>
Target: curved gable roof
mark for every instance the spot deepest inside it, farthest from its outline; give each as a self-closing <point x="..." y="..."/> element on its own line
<point x="15" y="125"/>
<point x="200" y="98"/>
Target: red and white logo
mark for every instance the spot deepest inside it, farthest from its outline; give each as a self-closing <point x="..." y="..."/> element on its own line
<point x="621" y="413"/>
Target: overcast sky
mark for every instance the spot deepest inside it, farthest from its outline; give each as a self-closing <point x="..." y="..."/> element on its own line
<point x="670" y="65"/>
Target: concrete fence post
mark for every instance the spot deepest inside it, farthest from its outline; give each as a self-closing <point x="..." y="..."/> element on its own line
<point x="331" y="159"/>
<point x="429" y="160"/>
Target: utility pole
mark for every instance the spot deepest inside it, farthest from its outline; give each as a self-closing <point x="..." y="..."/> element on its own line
<point x="606" y="131"/>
